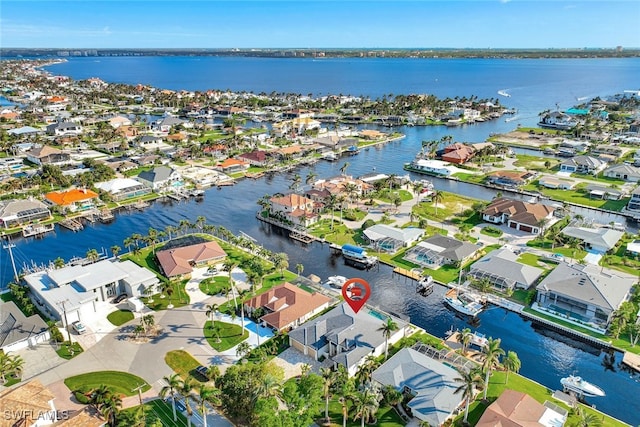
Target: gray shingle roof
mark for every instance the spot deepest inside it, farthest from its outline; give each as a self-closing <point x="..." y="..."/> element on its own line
<point x="158" y="174"/>
<point x="448" y="247"/>
<point x="15" y="326"/>
<point x="600" y="237"/>
<point x="502" y="263"/>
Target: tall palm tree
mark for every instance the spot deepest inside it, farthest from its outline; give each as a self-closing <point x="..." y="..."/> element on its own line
<point x="328" y="379"/>
<point x="469" y="382"/>
<point x="437" y="197"/>
<point x="243" y="349"/>
<point x="115" y="250"/>
<point x="464" y="338"/>
<point x="511" y="363"/>
<point x="211" y="310"/>
<point x="281" y="261"/>
<point x="185" y="388"/>
<point x="92" y="255"/>
<point x="173" y="383"/>
<point x="228" y="266"/>
<point x="299" y="269"/>
<point x="311" y="176"/>
<point x="207" y="394"/>
<point x="366" y="405"/>
<point x="587" y="419"/>
<point x="387" y="329"/>
<point x="492" y="353"/>
<point x="268" y="387"/>
<point x="128" y="243"/>
<point x="200" y="222"/>
<point x="110" y="408"/>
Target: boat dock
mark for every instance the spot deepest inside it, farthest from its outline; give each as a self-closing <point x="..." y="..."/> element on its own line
<point x="105" y="215"/>
<point x="632" y="360"/>
<point x="295" y="232"/>
<point x="301" y="236"/>
<point x="407" y="273"/>
<point x="72" y="224"/>
<point x="36" y="230"/>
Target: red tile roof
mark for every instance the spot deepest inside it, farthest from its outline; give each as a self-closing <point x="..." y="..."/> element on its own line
<point x="64" y="198"/>
<point x="178" y="261"/>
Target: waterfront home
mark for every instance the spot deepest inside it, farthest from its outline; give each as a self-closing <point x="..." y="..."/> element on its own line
<point x="634" y="202"/>
<point x="43" y="155"/>
<point x="294" y="208"/>
<point x="600" y="240"/>
<point x="623" y="171"/>
<point x="430" y="167"/>
<point x="73" y="200"/>
<point x="439" y="250"/>
<point x="18" y="212"/>
<point x="120" y="165"/>
<point x="390" y="239"/>
<point x="128" y="132"/>
<point x="633" y="249"/>
<point x="344" y="337"/>
<point x="64" y="128"/>
<point x="556" y="183"/>
<point x="557" y="120"/>
<point x="232" y="166"/>
<point x="179" y="261"/>
<point x="338" y="185"/>
<point x="123" y="188"/>
<point x="502" y="269"/>
<point x="509" y="178"/>
<point x="166" y="124"/>
<point x="255" y="157"/>
<point x="25" y="131"/>
<point x="587" y="165"/>
<point x="286" y="306"/>
<point x="290" y="152"/>
<point x="515" y="409"/>
<point x="457" y="153"/>
<point x="586" y="293"/>
<point x="76" y="291"/>
<point x="430" y="384"/>
<point x="371" y="134"/>
<point x="119" y="121"/>
<point x="601" y="192"/>
<point x="160" y="177"/>
<point x="18" y="331"/>
<point x="516" y="214"/>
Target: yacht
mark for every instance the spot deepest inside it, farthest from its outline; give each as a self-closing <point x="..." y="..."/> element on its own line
<point x="336" y="281"/>
<point x="463" y="303"/>
<point x="581" y="387"/>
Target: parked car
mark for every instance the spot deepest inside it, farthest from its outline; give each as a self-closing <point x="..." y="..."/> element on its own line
<point x="120" y="298"/>
<point x="79" y="327"/>
<point x="211" y="271"/>
<point x="555" y="257"/>
<point x="202" y="370"/>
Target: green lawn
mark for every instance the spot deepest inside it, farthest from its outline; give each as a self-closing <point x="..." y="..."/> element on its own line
<point x="491" y="231"/>
<point x="578" y="197"/>
<point x="534" y="163"/>
<point x="183" y="364"/>
<point x="473" y="178"/>
<point x="214" y="285"/>
<point x="569" y="325"/>
<point x="120" y="382"/>
<point x="230" y="335"/>
<point x="338" y="233"/>
<point x="67" y="351"/>
<point x="160" y="410"/>
<point x="450" y="206"/>
<point x="120" y="317"/>
<point x="530" y="259"/>
<point x="386" y="416"/>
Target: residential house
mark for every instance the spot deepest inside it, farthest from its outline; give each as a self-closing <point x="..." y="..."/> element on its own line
<point x="430" y="384"/>
<point x="73" y="200"/>
<point x="600" y="240"/>
<point x="119" y="121"/>
<point x="233" y="166"/>
<point x="11" y="164"/>
<point x="389" y="239"/>
<point x="509" y="178"/>
<point x="166" y="124"/>
<point x="150" y="142"/>
<point x="439" y="250"/>
<point x="586" y="293"/>
<point x="516" y="409"/>
<point x="582" y="164"/>
<point x="344" y="337"/>
<point x="64" y="128"/>
<point x="633" y="248"/>
<point x="634" y="202"/>
<point x="179" y="261"/>
<point x="556" y="183"/>
<point x="557" y="120"/>
<point x="457" y="153"/>
<point x="127" y="131"/>
<point x="371" y="134"/>
<point x="25" y="131"/>
<point x="290" y="152"/>
<point x="431" y="167"/>
<point x="45" y="154"/>
<point x="293" y="207"/>
<point x="502" y="269"/>
<point x="18" y="212"/>
<point x="605" y="193"/>
<point x="160" y="177"/>
<point x="516" y="214"/>
<point x="287" y="306"/>
<point x="18" y="331"/>
<point x="123" y="188"/>
<point x="623" y="171"/>
<point x="338" y="185"/>
<point x="75" y="292"/>
<point x="255" y="158"/>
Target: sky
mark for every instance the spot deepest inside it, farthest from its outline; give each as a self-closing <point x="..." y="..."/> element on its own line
<point x="320" y="24"/>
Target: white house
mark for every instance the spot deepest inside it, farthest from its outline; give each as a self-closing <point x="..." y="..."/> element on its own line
<point x="159" y="177"/>
<point x="623" y="171"/>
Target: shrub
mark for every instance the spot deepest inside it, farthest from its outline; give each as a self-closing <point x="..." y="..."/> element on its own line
<point x="81" y="397"/>
<point x="368" y="223"/>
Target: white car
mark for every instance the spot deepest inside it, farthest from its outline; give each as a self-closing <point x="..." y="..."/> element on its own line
<point x="79" y="327"/>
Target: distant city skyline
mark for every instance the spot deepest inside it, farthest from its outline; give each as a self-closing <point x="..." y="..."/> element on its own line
<point x="478" y="24"/>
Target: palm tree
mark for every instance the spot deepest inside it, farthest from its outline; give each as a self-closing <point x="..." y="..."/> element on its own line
<point x="207" y="394"/>
<point x="243" y="349"/>
<point x="464" y="338"/>
<point x="110" y="407"/>
<point x="437" y="197"/>
<point x="200" y="222"/>
<point x="128" y="243"/>
<point x="328" y="379"/>
<point x="92" y="255"/>
<point x="363" y="375"/>
<point x="281" y="261"/>
<point x="147" y="321"/>
<point x="366" y="405"/>
<point x="511" y="363"/>
<point x="268" y="387"/>
<point x="211" y="309"/>
<point x="469" y="382"/>
<point x="492" y="353"/>
<point x="299" y="269"/>
<point x="185" y="388"/>
<point x="311" y="176"/>
<point x="228" y="266"/>
<point x="173" y="383"/>
<point x="115" y="250"/>
<point x="387" y="329"/>
<point x="587" y="419"/>
<point x="343" y="169"/>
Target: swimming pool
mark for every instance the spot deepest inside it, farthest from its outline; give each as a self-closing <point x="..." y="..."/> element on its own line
<point x="261" y="331"/>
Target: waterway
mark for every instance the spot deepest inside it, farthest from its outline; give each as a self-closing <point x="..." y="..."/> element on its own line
<point x="546" y="357"/>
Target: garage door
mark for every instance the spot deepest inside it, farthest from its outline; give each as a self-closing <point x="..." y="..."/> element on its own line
<point x="513" y="225"/>
<point x="526" y="228"/>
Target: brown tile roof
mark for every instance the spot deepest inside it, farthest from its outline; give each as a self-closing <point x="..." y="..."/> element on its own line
<point x="175" y="262"/>
<point x="287" y="303"/>
<point x="512" y="409"/>
<point x="511" y="174"/>
<point x="522" y="212"/>
<point x="88" y="417"/>
<point x="43" y="151"/>
<point x="31" y="399"/>
<point x="292" y="149"/>
<point x="293" y="200"/>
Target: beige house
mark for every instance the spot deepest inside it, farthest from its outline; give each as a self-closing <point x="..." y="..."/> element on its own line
<point x="294" y="208"/>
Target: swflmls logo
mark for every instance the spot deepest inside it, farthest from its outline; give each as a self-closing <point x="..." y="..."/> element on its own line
<point x="19" y="414"/>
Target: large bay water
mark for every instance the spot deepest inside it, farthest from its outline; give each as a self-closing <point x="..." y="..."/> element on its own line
<point x="535" y="85"/>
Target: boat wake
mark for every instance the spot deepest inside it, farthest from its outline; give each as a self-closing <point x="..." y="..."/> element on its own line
<point x="503" y="92"/>
<point x="510" y="119"/>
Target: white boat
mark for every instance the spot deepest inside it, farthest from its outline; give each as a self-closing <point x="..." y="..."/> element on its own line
<point x="330" y="156"/>
<point x="581" y="387"/>
<point x="504" y="93"/>
<point x="336" y="281"/>
<point x="425" y="286"/>
<point x="462" y="303"/>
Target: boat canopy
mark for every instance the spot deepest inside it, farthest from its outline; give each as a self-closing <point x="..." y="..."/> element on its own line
<point x="353" y="248"/>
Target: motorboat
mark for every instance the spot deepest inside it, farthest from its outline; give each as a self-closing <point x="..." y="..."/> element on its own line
<point x="330" y="156"/>
<point x="463" y="303"/>
<point x="425" y="286"/>
<point x="581" y="387"/>
<point x="336" y="281"/>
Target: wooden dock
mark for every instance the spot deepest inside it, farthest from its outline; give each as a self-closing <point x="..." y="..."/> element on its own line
<point x="36" y="230"/>
<point x="632" y="360"/>
<point x="105" y="215"/>
<point x="301" y="237"/>
<point x="407" y="273"/>
<point x="72" y="224"/>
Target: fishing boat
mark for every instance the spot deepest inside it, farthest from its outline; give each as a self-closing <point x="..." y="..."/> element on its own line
<point x="581" y="387"/>
<point x="336" y="281"/>
<point x="425" y="286"/>
<point x="462" y="303"/>
<point x="330" y="156"/>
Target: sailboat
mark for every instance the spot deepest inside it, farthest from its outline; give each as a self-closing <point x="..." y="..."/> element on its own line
<point x="461" y="302"/>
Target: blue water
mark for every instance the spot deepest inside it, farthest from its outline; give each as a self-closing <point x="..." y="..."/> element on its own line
<point x="535" y="85"/>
